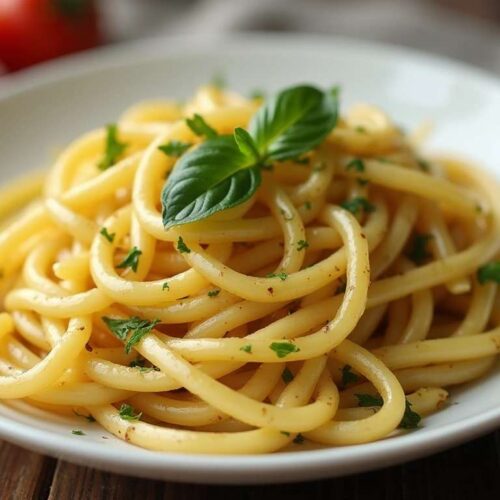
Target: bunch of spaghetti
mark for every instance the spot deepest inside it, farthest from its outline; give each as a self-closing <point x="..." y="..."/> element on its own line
<point x="332" y="306"/>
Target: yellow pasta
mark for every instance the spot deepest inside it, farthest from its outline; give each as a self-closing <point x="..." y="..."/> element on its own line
<point x="334" y="304"/>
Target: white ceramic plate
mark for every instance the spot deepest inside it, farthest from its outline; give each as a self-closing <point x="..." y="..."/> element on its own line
<point x="46" y="107"/>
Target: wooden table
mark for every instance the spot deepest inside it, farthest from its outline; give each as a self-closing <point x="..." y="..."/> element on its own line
<point x="469" y="471"/>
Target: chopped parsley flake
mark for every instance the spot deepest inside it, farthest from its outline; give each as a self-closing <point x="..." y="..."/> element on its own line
<point x="286" y="215"/>
<point x="175" y="148"/>
<point x="299" y="439"/>
<point x="358" y="203"/>
<point x="308" y="205"/>
<point x="200" y="127"/>
<point x="287" y="376"/>
<point x="137" y="363"/>
<point x="356" y="164"/>
<point x="302" y="244"/>
<point x="348" y="377"/>
<point x="213" y="293"/>
<point x="362" y="182"/>
<point x="360" y="130"/>
<point x="418" y="251"/>
<point x="283" y="349"/>
<point x="78" y="432"/>
<point x="140" y="363"/>
<point x="282" y="276"/>
<point x="410" y="419"/>
<point x="285" y="433"/>
<point x="182" y="247"/>
<point x="165" y="286"/>
<point x="369" y="400"/>
<point x="424" y="165"/>
<point x="489" y="272"/>
<point x="136" y="327"/>
<point x="246" y="348"/>
<point x="114" y="148"/>
<point x="127" y="412"/>
<point x="131" y="260"/>
<point x="108" y="236"/>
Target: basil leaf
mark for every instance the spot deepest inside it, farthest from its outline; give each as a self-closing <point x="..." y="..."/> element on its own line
<point x="208" y="179"/>
<point x="294" y="122"/>
<point x="246" y="144"/>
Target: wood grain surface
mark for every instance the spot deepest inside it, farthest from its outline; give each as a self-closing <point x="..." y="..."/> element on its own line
<point x="469" y="471"/>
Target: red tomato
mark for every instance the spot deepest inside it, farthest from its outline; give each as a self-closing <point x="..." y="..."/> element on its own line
<point x="32" y="31"/>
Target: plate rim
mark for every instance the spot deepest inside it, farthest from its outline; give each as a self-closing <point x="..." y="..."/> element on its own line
<point x="232" y="469"/>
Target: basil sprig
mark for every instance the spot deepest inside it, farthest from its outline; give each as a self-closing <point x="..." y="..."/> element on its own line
<point x="294" y="122"/>
<point x="225" y="171"/>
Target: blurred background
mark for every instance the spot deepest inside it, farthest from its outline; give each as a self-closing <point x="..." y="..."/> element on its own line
<point x="35" y="30"/>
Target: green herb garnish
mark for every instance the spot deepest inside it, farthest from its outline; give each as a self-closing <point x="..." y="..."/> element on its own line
<point x="182" y="247"/>
<point x="369" y="400"/>
<point x="283" y="349"/>
<point x="213" y="293"/>
<point x="302" y="244"/>
<point x="246" y="144"/>
<point x="127" y="412"/>
<point x="410" y="419"/>
<point x="358" y="203"/>
<point x="418" y="251"/>
<point x="308" y="205"/>
<point x="246" y="348"/>
<point x="287" y="375"/>
<point x="489" y="272"/>
<point x="109" y="237"/>
<point x="114" y="148"/>
<point x="424" y="165"/>
<point x="299" y="439"/>
<point x="356" y="164"/>
<point x="348" y="377"/>
<point x="200" y="127"/>
<point x="225" y="171"/>
<point x="165" y="286"/>
<point x="137" y="363"/>
<point x="175" y="148"/>
<point x="78" y="432"/>
<point x="136" y="327"/>
<point x="131" y="260"/>
<point x="282" y="276"/>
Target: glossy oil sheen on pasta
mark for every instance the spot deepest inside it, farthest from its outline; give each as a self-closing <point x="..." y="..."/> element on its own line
<point x="336" y="303"/>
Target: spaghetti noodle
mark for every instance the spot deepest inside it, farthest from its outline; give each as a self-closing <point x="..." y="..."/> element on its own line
<point x="334" y="305"/>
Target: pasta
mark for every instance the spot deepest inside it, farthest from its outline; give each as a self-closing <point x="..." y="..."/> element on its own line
<point x="334" y="303"/>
